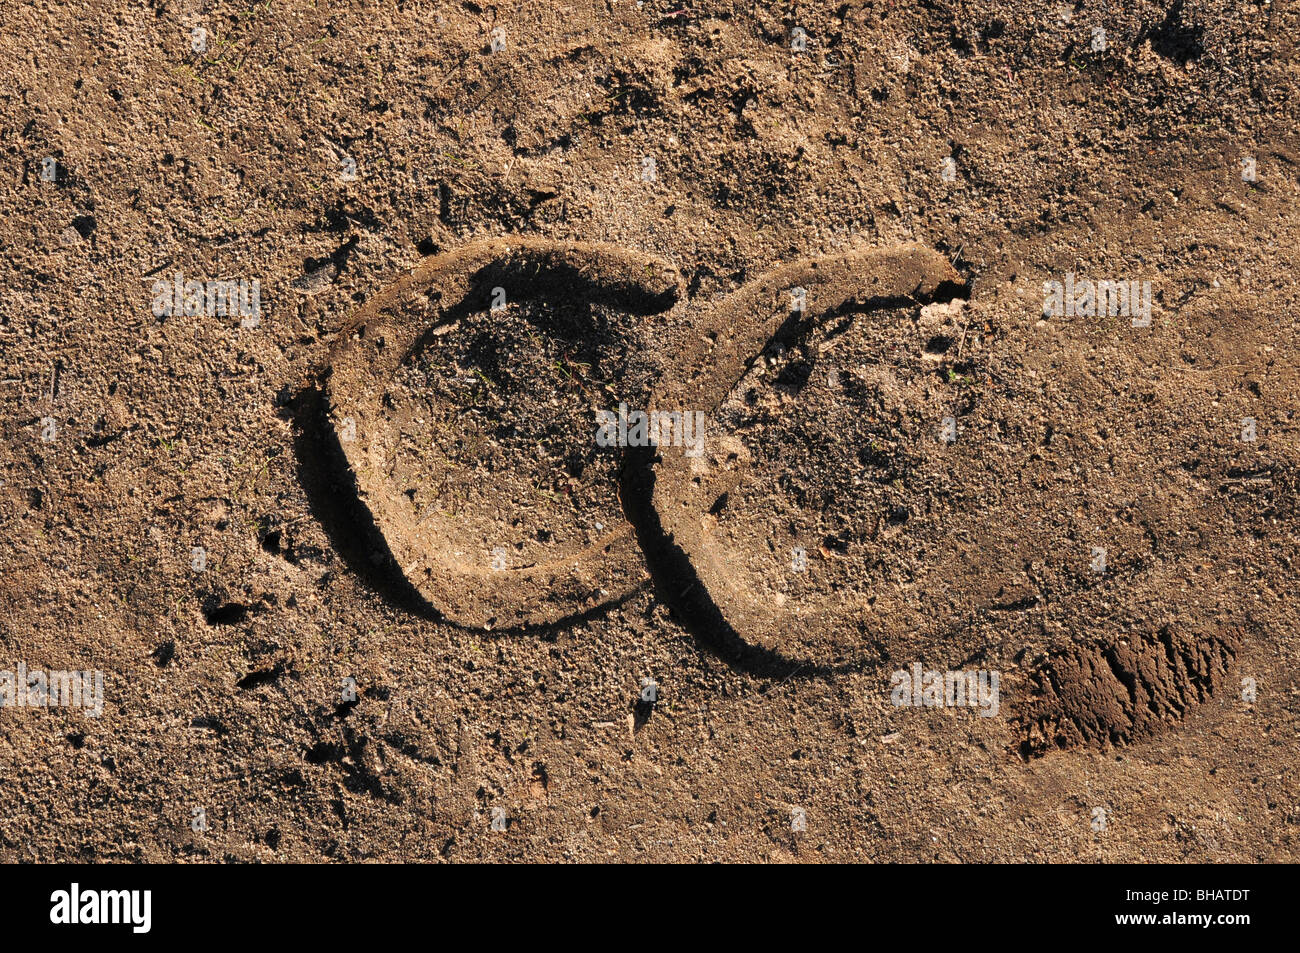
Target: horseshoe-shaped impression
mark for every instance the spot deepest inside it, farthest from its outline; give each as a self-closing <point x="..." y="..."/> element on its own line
<point x="689" y="489"/>
<point x="464" y="587"/>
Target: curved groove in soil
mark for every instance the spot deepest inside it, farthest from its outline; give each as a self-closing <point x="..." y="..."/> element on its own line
<point x="678" y="541"/>
<point x="390" y="328"/>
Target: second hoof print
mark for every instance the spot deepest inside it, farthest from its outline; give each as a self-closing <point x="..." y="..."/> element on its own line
<point x="770" y="522"/>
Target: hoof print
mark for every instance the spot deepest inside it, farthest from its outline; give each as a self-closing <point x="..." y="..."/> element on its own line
<point x="476" y="468"/>
<point x="747" y="584"/>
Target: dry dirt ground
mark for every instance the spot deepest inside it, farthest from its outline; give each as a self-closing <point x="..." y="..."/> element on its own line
<point x="176" y="511"/>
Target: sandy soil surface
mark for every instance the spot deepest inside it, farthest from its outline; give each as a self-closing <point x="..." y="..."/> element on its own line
<point x="360" y="581"/>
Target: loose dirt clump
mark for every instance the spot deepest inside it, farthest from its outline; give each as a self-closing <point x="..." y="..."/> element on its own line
<point x="1117" y="693"/>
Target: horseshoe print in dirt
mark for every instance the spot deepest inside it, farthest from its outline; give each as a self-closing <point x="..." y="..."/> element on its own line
<point x="457" y="443"/>
<point x="745" y="579"/>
